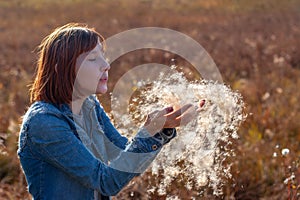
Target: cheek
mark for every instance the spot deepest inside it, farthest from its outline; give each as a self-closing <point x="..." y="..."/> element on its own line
<point x="88" y="76"/>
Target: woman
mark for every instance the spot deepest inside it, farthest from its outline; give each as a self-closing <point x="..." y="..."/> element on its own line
<point x="68" y="148"/>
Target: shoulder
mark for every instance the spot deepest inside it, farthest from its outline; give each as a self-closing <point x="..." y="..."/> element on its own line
<point x="42" y="115"/>
<point x="40" y="108"/>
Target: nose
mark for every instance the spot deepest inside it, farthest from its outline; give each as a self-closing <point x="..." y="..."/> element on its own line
<point x="106" y="66"/>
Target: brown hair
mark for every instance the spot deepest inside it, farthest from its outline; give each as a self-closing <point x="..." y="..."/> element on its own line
<point x="55" y="74"/>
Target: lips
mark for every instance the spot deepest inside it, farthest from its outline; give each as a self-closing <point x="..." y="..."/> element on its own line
<point x="104" y="79"/>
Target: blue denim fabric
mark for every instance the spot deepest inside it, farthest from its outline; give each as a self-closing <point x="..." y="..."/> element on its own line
<point x="59" y="165"/>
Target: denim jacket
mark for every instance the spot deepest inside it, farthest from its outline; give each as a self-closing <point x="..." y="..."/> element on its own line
<point x="65" y="159"/>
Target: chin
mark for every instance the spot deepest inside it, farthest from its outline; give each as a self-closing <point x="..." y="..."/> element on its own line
<point x="101" y="90"/>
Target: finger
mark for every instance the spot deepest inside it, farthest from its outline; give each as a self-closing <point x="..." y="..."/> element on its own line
<point x="201" y="105"/>
<point x="187" y="116"/>
<point x="179" y="112"/>
<point x="202" y="102"/>
<point x="168" y="110"/>
<point x="183" y="119"/>
<point x="164" y="111"/>
<point x="153" y="114"/>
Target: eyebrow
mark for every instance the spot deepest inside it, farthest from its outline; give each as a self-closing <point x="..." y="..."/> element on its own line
<point x="96" y="51"/>
<point x="93" y="52"/>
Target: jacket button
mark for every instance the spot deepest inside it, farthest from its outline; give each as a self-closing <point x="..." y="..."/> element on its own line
<point x="154" y="147"/>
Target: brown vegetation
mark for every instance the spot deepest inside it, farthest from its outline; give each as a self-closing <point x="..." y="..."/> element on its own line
<point x="255" y="44"/>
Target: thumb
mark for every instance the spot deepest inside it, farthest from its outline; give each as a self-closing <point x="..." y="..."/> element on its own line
<point x="165" y="111"/>
<point x="158" y="113"/>
<point x="202" y="102"/>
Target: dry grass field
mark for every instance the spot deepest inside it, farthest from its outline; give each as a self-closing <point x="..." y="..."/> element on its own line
<point x="255" y="45"/>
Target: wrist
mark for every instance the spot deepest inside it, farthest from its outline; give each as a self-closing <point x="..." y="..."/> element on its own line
<point x="166" y="135"/>
<point x="152" y="130"/>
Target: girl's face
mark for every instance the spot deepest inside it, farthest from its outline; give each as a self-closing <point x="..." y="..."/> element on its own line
<point x="92" y="72"/>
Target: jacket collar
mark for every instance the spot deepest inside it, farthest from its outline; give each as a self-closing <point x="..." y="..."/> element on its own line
<point x="88" y="104"/>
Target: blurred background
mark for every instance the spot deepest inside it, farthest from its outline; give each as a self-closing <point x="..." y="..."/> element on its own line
<point x="255" y="45"/>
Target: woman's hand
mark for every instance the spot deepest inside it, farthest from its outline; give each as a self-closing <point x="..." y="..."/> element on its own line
<point x="168" y="118"/>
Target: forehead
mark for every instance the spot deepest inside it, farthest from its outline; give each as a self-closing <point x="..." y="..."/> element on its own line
<point x="98" y="47"/>
<point x="96" y="50"/>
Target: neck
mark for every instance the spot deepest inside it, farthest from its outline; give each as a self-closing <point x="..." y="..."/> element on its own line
<point x="76" y="106"/>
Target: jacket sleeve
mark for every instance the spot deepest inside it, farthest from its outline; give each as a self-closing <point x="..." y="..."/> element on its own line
<point x="132" y="156"/>
<point x="53" y="141"/>
<point x="117" y="142"/>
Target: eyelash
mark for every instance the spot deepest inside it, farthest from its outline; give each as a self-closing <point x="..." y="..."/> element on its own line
<point x="94" y="59"/>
